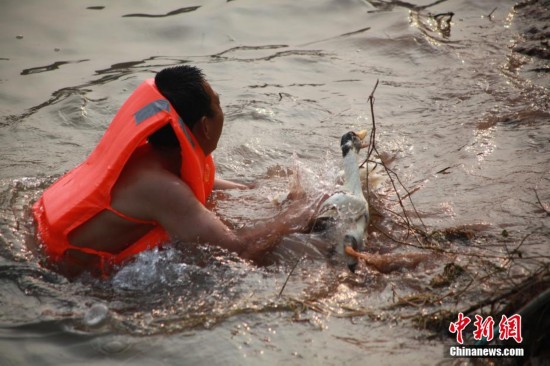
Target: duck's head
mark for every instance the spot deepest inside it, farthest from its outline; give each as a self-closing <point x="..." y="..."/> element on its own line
<point x="353" y="141"/>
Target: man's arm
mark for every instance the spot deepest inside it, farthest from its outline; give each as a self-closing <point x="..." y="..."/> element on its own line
<point x="177" y="209"/>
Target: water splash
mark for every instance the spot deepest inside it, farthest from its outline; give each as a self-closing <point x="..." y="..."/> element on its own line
<point x="152" y="270"/>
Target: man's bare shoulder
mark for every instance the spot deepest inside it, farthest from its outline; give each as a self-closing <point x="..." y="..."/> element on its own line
<point x="147" y="187"/>
<point x="159" y="187"/>
<point x="166" y="199"/>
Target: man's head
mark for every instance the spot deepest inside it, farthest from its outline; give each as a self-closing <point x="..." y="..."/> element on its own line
<point x="195" y="102"/>
<point x="184" y="87"/>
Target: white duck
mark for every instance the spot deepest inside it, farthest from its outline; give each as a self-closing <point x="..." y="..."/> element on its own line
<point x="348" y="207"/>
<point x="348" y="210"/>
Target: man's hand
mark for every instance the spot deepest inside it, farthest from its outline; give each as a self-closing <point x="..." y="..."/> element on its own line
<point x="222" y="184"/>
<point x="265" y="236"/>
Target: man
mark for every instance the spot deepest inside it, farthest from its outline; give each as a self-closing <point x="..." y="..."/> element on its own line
<point x="147" y="181"/>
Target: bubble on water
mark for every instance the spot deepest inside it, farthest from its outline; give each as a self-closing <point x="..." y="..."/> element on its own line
<point x="96" y="315"/>
<point x="114" y="346"/>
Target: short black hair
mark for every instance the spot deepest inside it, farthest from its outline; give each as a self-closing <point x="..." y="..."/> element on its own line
<point x="183" y="86"/>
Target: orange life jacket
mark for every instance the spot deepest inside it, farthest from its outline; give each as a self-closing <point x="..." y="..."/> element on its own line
<point x="85" y="191"/>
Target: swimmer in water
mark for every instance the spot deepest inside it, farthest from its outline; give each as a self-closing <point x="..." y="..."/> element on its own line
<point x="147" y="182"/>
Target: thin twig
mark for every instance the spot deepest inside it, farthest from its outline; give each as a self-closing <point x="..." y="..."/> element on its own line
<point x="438" y="249"/>
<point x="490" y="16"/>
<point x="510" y="292"/>
<point x="440" y="15"/>
<point x="516" y="251"/>
<point x="390" y="173"/>
<point x="408" y="195"/>
<point x="290" y="274"/>
<point x="540" y="202"/>
<point x="372" y="148"/>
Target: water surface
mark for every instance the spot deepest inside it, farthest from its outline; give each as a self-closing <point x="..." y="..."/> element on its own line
<point x="462" y="112"/>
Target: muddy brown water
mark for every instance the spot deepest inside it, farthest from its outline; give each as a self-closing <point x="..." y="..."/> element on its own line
<point x="462" y="111"/>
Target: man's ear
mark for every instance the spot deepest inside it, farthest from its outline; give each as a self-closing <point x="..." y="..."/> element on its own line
<point x="205" y="128"/>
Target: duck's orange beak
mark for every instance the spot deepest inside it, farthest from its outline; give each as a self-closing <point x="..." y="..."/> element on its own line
<point x="362" y="134"/>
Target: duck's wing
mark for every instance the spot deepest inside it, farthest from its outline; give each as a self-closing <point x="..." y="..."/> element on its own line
<point x="343" y="205"/>
<point x="327" y="215"/>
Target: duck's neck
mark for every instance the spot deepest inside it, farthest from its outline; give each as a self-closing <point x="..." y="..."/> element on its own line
<point x="351" y="171"/>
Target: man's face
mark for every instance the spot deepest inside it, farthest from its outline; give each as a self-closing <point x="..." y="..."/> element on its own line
<point x="215" y="123"/>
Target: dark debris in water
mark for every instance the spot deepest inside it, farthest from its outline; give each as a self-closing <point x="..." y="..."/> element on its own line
<point x="463" y="234"/>
<point x="287" y="53"/>
<point x="53" y="66"/>
<point x="449" y="275"/>
<point x="390" y="4"/>
<point x="170" y="13"/>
